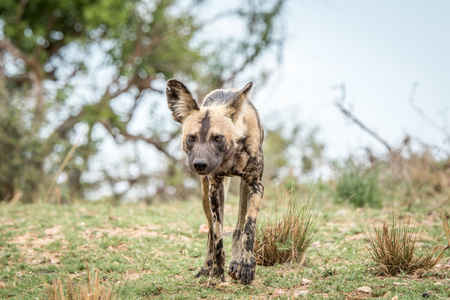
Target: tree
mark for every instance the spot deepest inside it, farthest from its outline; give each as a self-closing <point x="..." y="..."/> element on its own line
<point x="68" y="67"/>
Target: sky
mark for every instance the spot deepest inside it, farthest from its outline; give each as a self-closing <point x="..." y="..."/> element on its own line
<point x="378" y="50"/>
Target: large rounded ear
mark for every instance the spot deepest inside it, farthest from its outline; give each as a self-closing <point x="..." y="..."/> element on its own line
<point x="235" y="104"/>
<point x="180" y="100"/>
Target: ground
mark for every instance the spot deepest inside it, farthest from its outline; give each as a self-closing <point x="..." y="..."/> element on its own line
<point x="155" y="251"/>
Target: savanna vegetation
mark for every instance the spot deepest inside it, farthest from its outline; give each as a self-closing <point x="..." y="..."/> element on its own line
<point x="92" y="70"/>
<point x="79" y="79"/>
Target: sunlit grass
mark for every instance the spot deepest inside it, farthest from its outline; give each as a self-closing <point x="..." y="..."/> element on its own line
<point x="285" y="238"/>
<point x="155" y="251"/>
<point x="395" y="249"/>
<point x="93" y="290"/>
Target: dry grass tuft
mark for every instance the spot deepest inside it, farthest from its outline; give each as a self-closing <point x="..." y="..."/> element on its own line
<point x="446" y="229"/>
<point x="394" y="249"/>
<point x="93" y="291"/>
<point x="285" y="240"/>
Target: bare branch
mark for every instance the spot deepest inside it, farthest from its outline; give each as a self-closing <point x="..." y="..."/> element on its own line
<point x="37" y="76"/>
<point x="224" y="14"/>
<point x="7" y="46"/>
<point x="20" y="10"/>
<point x="19" y="79"/>
<point x="427" y="119"/>
<point x="347" y="113"/>
<point x="161" y="146"/>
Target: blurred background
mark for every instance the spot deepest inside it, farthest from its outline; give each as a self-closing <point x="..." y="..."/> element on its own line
<point x="354" y="96"/>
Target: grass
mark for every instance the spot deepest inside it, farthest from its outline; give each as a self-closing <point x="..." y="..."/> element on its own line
<point x="360" y="186"/>
<point x="92" y="291"/>
<point x="285" y="238"/>
<point x="394" y="249"/>
<point x="145" y="252"/>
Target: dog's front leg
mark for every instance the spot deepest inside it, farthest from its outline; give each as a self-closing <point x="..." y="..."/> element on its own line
<point x="246" y="269"/>
<point x="236" y="257"/>
<point x="216" y="200"/>
<point x="207" y="266"/>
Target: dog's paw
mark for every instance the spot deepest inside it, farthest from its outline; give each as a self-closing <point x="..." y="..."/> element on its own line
<point x="218" y="273"/>
<point x="246" y="272"/>
<point x="233" y="270"/>
<point x="203" y="272"/>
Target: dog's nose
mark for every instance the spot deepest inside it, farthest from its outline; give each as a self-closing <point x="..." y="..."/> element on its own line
<point x="200" y="164"/>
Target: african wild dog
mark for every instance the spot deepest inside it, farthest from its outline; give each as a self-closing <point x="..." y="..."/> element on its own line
<point x="223" y="138"/>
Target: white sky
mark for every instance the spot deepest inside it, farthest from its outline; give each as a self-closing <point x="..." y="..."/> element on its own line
<point x="377" y="49"/>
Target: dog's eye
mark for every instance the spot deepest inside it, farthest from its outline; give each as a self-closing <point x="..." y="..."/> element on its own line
<point x="218" y="138"/>
<point x="191" y="138"/>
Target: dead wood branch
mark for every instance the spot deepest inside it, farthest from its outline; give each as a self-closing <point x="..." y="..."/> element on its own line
<point x="349" y="115"/>
<point x="422" y="114"/>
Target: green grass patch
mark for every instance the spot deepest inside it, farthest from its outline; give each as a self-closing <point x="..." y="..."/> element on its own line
<point x="155" y="251"/>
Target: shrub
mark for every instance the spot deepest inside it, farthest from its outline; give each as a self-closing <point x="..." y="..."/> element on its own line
<point x="414" y="174"/>
<point x="360" y="186"/>
<point x="286" y="240"/>
<point x="394" y="249"/>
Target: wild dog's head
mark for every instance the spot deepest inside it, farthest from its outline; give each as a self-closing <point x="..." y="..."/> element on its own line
<point x="208" y="132"/>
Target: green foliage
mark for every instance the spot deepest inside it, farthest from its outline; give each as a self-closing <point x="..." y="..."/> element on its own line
<point x="290" y="154"/>
<point x="21" y="151"/>
<point x="63" y="65"/>
<point x="275" y="146"/>
<point x="359" y="185"/>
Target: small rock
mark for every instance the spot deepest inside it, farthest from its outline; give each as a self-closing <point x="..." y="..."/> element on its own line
<point x="306" y="281"/>
<point x="203" y="228"/>
<point x="400" y="283"/>
<point x="341" y="213"/>
<point x="387" y="295"/>
<point x="2" y="285"/>
<point x="394" y="298"/>
<point x="425" y="295"/>
<point x="300" y="293"/>
<point x="365" y="289"/>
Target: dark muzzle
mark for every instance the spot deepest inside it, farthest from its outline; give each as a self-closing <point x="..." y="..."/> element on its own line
<point x="200" y="164"/>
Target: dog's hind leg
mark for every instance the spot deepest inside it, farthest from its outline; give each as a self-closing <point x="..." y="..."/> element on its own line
<point x="237" y="245"/>
<point x="207" y="266"/>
